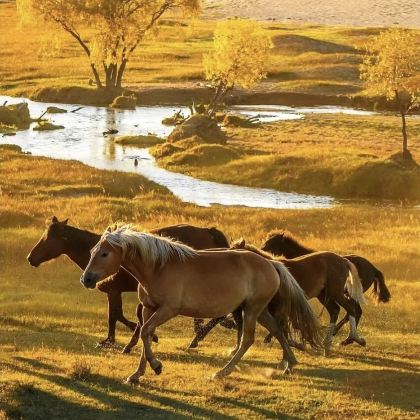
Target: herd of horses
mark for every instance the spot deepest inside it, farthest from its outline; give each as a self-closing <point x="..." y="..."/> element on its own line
<point x="196" y="272"/>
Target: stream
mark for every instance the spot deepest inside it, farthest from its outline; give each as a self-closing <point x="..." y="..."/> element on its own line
<point x="82" y="139"/>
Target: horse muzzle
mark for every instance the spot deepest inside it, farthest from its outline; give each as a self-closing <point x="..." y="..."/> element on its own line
<point x="89" y="280"/>
<point x="32" y="262"/>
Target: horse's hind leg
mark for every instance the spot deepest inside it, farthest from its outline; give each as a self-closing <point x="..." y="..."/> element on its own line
<point x="270" y="323"/>
<point x="249" y="318"/>
<point x="136" y="334"/>
<point x="352" y="307"/>
<point x="333" y="310"/>
<point x="341" y="323"/>
<point x="202" y="331"/>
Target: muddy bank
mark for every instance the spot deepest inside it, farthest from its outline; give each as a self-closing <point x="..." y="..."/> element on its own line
<point x="185" y="95"/>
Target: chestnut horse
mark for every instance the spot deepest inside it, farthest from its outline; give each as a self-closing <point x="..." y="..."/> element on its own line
<point x="328" y="277"/>
<point x="283" y="243"/>
<point x="60" y="238"/>
<point x="177" y="280"/>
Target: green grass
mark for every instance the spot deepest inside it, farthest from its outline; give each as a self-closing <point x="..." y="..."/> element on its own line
<point x="340" y="155"/>
<point x="50" y="324"/>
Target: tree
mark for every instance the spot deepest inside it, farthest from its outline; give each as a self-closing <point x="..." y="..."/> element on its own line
<point x="108" y="31"/>
<point x="239" y="57"/>
<point x="389" y="68"/>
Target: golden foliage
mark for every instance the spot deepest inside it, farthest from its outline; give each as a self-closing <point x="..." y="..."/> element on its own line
<point x="239" y="56"/>
<point x="391" y="62"/>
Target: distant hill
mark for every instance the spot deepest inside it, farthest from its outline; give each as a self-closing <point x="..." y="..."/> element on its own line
<point x="328" y="12"/>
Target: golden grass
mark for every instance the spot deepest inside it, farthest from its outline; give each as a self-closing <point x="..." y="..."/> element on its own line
<point x="340" y="155"/>
<point x="305" y="58"/>
<point x="50" y="324"/>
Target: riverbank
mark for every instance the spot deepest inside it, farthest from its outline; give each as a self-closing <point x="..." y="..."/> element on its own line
<point x="50" y="324"/>
<point x="309" y="64"/>
<point x="342" y="156"/>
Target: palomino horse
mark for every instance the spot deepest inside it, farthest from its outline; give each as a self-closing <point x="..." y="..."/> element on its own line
<point x="177" y="280"/>
<point x="283" y="243"/>
<point x="326" y="276"/>
<point x="60" y="238"/>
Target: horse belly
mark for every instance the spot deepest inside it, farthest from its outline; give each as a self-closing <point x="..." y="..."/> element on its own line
<point x="218" y="297"/>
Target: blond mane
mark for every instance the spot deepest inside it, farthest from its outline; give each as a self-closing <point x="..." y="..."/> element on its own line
<point x="152" y="249"/>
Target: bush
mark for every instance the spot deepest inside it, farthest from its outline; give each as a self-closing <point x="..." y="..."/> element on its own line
<point x="139" y="141"/>
<point x="124" y="102"/>
<point x="205" y="155"/>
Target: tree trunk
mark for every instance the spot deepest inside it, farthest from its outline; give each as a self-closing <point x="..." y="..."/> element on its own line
<point x="96" y="76"/>
<point x="406" y="153"/>
<point x="121" y="73"/>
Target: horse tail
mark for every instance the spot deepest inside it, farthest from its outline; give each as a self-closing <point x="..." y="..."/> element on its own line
<point x="296" y="307"/>
<point x="219" y="237"/>
<point x="380" y="289"/>
<point x="354" y="285"/>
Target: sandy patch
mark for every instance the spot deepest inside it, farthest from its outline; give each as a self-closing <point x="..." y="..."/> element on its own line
<point x="328" y="12"/>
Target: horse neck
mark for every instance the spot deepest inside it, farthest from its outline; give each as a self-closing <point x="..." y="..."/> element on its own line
<point x="141" y="272"/>
<point x="78" y="245"/>
<point x="295" y="249"/>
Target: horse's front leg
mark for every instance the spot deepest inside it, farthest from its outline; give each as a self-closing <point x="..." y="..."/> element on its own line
<point x="141" y="368"/>
<point x="162" y="315"/>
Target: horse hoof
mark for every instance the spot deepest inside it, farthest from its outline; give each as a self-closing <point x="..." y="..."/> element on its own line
<point x="228" y="324"/>
<point x="193" y="345"/>
<point x="126" y="350"/>
<point x="327" y="352"/>
<point x="155" y="338"/>
<point x="361" y="342"/>
<point x="108" y="342"/>
<point x="267" y="340"/>
<point x="347" y="341"/>
<point x="133" y="380"/>
<point x="157" y="367"/>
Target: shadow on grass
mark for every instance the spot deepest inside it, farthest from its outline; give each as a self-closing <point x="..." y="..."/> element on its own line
<point x="389" y="387"/>
<point x="111" y="394"/>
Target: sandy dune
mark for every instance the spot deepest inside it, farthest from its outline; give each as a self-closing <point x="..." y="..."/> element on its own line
<point x="328" y="12"/>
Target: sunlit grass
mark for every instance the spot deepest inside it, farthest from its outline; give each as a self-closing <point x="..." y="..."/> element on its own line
<point x="50" y="324"/>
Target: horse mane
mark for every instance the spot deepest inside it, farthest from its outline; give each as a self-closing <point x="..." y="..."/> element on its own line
<point x="153" y="249"/>
<point x="290" y="238"/>
<point x="219" y="237"/>
<point x="241" y="244"/>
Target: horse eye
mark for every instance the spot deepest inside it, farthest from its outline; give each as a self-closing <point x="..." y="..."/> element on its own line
<point x="105" y="254"/>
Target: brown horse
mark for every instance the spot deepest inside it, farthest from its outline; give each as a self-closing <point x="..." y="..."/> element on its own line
<point x="60" y="238"/>
<point x="326" y="276"/>
<point x="283" y="243"/>
<point x="177" y="280"/>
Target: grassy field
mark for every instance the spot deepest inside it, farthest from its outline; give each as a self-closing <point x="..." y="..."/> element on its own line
<point x="305" y="58"/>
<point x="48" y="361"/>
<point x="339" y="155"/>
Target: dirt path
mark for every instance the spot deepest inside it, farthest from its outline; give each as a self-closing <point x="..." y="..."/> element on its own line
<point x="328" y="12"/>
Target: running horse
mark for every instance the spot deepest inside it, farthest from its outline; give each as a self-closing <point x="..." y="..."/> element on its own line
<point x="177" y="280"/>
<point x="283" y="243"/>
<point x="60" y="238"/>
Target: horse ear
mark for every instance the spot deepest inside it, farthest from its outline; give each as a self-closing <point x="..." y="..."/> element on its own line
<point x="242" y="243"/>
<point x="109" y="229"/>
<point x="64" y="222"/>
<point x="54" y="219"/>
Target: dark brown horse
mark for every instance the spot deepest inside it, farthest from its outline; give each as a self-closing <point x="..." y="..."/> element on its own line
<point x="283" y="243"/>
<point x="59" y="238"/>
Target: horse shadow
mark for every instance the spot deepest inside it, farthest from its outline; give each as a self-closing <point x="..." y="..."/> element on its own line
<point x="399" y="389"/>
<point x="110" y="393"/>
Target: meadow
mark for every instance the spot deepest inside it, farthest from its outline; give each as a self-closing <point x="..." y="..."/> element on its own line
<point x="48" y="361"/>
<point x="346" y="156"/>
<point x="314" y="59"/>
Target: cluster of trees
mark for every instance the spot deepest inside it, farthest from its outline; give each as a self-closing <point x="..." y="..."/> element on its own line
<point x="109" y="31"/>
